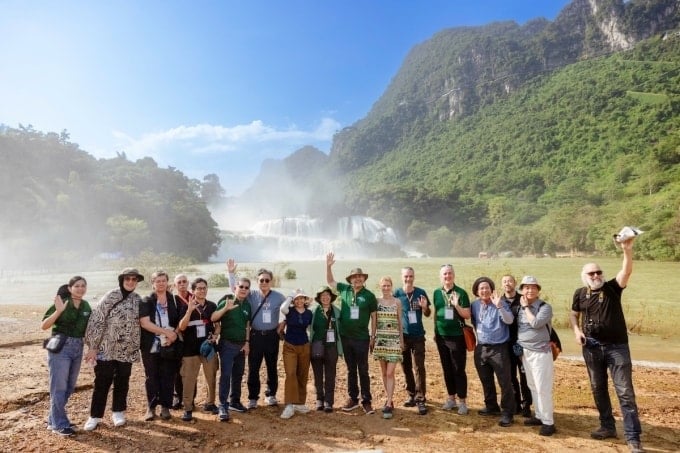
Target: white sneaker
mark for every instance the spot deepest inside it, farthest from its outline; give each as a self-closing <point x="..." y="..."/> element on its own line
<point x="252" y="404"/>
<point x="118" y="418"/>
<point x="301" y="408"/>
<point x="271" y="400"/>
<point x="462" y="409"/>
<point x="91" y="423"/>
<point x="288" y="411"/>
<point x="449" y="405"/>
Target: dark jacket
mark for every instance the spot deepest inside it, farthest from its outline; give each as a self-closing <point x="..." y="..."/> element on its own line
<point x="148" y="308"/>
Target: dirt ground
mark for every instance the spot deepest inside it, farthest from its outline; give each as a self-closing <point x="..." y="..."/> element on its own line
<point x="24" y="402"/>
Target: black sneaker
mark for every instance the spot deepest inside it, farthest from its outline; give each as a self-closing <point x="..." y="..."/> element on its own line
<point x="211" y="408"/>
<point x="187" y="416"/>
<point x="547" y="430"/>
<point x="422" y="409"/>
<point x="505" y="421"/>
<point x="64" y="431"/>
<point x="368" y="408"/>
<point x="350" y="405"/>
<point x="223" y="414"/>
<point x="410" y="402"/>
<point x="489" y="411"/>
<point x="603" y="433"/>
<point x="533" y="421"/>
<point x="238" y="407"/>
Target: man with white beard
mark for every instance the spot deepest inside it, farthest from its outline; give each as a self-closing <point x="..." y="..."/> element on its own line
<point x="603" y="335"/>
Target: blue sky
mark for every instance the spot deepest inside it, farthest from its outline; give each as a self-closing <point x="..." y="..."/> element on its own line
<point x="215" y="86"/>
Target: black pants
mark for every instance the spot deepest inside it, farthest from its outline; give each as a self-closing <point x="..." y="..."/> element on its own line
<point x="108" y="372"/>
<point x="324" y="374"/>
<point x="160" y="379"/>
<point x="522" y="392"/>
<point x="453" y="357"/>
<point x="414" y="360"/>
<point x="356" y="359"/>
<point x="490" y="360"/>
<point x="263" y="347"/>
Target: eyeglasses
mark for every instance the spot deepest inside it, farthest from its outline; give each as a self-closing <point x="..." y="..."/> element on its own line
<point x="201" y="288"/>
<point x="264" y="280"/>
<point x="593" y="273"/>
<point x="243" y="287"/>
<point x="130" y="278"/>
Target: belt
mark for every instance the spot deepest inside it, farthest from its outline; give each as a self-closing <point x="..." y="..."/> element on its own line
<point x="492" y="344"/>
<point x="263" y="332"/>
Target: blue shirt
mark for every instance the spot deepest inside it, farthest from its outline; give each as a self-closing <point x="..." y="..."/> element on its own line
<point x="491" y="323"/>
<point x="409" y="302"/>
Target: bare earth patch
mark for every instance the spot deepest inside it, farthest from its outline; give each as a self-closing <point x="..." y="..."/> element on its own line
<point x="24" y="403"/>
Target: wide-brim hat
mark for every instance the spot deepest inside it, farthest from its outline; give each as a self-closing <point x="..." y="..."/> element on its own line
<point x="130" y="271"/>
<point x="297" y="294"/>
<point x="322" y="290"/>
<point x="479" y="281"/>
<point x="529" y="280"/>
<point x="356" y="271"/>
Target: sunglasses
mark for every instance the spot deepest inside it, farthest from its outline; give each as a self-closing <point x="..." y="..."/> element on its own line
<point x="130" y="278"/>
<point x="264" y="280"/>
<point x="594" y="273"/>
<point x="244" y="287"/>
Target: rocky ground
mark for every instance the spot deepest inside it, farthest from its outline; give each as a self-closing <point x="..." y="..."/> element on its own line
<point x="24" y="401"/>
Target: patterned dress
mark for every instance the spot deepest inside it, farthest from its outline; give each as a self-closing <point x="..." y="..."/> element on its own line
<point x="387" y="337"/>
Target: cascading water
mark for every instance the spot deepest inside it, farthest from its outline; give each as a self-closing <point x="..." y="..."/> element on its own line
<point x="305" y="238"/>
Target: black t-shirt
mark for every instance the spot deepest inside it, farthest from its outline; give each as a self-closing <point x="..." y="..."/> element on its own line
<point x="199" y="317"/>
<point x="514" y="305"/>
<point x="602" y="313"/>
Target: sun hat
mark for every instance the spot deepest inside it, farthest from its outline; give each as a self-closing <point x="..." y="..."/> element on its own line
<point x="130" y="271"/>
<point x="322" y="290"/>
<point x="356" y="271"/>
<point x="479" y="281"/>
<point x="529" y="280"/>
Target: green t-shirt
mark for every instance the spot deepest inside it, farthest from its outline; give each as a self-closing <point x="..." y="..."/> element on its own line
<point x="356" y="329"/>
<point x="234" y="322"/>
<point x="72" y="321"/>
<point x="449" y="327"/>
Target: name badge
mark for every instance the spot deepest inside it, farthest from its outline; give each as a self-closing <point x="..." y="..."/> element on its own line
<point x="266" y="316"/>
<point x="330" y="336"/>
<point x="200" y="331"/>
<point x="354" y="312"/>
<point x="412" y="318"/>
<point x="448" y="313"/>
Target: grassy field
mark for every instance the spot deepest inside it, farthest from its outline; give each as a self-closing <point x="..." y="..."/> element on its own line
<point x="651" y="309"/>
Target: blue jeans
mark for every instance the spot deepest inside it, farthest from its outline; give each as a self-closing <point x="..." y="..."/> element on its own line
<point x="232" y="362"/>
<point x="64" y="369"/>
<point x="356" y="359"/>
<point x="616" y="358"/>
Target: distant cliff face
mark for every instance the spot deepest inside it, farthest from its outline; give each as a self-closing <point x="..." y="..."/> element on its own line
<point x="460" y="70"/>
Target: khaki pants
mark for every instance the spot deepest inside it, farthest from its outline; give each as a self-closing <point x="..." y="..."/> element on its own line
<point x="296" y="364"/>
<point x="189" y="372"/>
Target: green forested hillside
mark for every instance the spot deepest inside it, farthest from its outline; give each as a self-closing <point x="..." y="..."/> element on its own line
<point x="60" y="203"/>
<point x="557" y="166"/>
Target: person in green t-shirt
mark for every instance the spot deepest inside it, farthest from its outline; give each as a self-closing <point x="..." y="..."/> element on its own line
<point x="358" y="306"/>
<point x="67" y="316"/>
<point x="232" y="320"/>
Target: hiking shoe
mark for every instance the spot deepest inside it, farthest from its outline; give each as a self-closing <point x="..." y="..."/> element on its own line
<point x="462" y="409"/>
<point x="350" y="405"/>
<point x="238" y="407"/>
<point x="603" y="433"/>
<point x="505" y="421"/>
<point x="187" y="416"/>
<point x="327" y="408"/>
<point x="533" y="421"/>
<point x="150" y="414"/>
<point x="410" y="402"/>
<point x="422" y="409"/>
<point x="368" y="409"/>
<point x="165" y="413"/>
<point x="635" y="446"/>
<point x="271" y="400"/>
<point x="449" y="405"/>
<point x="92" y="423"/>
<point x="489" y="411"/>
<point x="547" y="430"/>
<point x="211" y="408"/>
<point x="387" y="411"/>
<point x="288" y="411"/>
<point x="118" y="418"/>
<point x="252" y="404"/>
<point x="223" y="414"/>
<point x="64" y="431"/>
<point x="319" y="405"/>
<point x="301" y="408"/>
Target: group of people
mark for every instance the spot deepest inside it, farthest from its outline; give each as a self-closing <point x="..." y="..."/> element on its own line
<point x="177" y="334"/>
